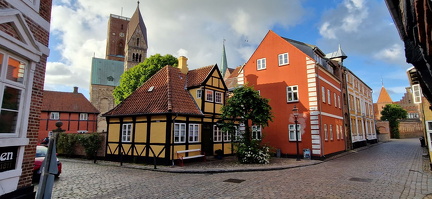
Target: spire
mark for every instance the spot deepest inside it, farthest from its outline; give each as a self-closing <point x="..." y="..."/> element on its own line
<point x="338" y="55"/>
<point x="224" y="65"/>
<point x="384" y="97"/>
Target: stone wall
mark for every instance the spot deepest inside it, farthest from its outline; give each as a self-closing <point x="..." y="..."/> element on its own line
<point x="383" y="128"/>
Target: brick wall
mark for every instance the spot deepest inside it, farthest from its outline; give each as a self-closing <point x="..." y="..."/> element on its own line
<point x="411" y="129"/>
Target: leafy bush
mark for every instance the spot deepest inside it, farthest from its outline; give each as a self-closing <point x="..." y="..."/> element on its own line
<point x="91" y="143"/>
<point x="253" y="154"/>
<point x="66" y="144"/>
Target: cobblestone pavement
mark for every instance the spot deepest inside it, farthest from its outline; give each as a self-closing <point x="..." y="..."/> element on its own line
<point x="388" y="170"/>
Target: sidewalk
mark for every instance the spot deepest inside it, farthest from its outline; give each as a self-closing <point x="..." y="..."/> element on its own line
<point x="227" y="164"/>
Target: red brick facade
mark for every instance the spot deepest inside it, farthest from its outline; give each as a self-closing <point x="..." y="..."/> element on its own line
<point x="40" y="33"/>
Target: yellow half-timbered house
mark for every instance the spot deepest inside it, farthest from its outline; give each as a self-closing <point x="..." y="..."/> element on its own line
<point x="175" y="110"/>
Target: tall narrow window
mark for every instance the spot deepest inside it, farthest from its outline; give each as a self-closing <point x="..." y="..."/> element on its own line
<point x="133" y="56"/>
<point x="199" y="93"/>
<point x="261" y="64"/>
<point x="335" y="100"/>
<point x="337" y="132"/>
<point x="209" y="95"/>
<point x="217" y="134"/>
<point x="179" y="133"/>
<point x="339" y="101"/>
<point x="292" y="132"/>
<point x="283" y="59"/>
<point x="193" y="132"/>
<point x="328" y="96"/>
<point x="331" y="132"/>
<point x="416" y="93"/>
<point x="342" y="133"/>
<point x="126" y="132"/>
<point x="323" y="94"/>
<point x="325" y="132"/>
<point x="256" y="132"/>
<point x="292" y="94"/>
<point x="140" y="56"/>
<point x="218" y="97"/>
<point x="137" y="42"/>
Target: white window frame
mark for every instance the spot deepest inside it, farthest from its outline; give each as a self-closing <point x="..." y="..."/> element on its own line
<point x="283" y="59"/>
<point x="329" y="96"/>
<point x="82" y="131"/>
<point x="256" y="132"/>
<point x="342" y="133"/>
<point x="323" y="94"/>
<point x="261" y="64"/>
<point x="339" y="101"/>
<point x="194" y="133"/>
<point x="292" y="90"/>
<point x="126" y="132"/>
<point x="198" y="94"/>
<point x="331" y="132"/>
<point x="240" y="130"/>
<point x="325" y="132"/>
<point x="179" y="133"/>
<point x="83" y="116"/>
<point x="416" y="92"/>
<point x="217" y="134"/>
<point x="54" y="115"/>
<point x="226" y="136"/>
<point x="218" y="97"/>
<point x="209" y="95"/>
<point x="292" y="134"/>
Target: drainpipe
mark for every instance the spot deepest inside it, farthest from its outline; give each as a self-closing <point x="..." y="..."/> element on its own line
<point x="172" y="140"/>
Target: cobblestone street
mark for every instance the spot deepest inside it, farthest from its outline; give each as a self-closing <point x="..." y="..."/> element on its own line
<point x="386" y="170"/>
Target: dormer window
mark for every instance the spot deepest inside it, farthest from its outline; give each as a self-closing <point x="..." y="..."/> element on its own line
<point x="209" y="95"/>
<point x="54" y="115"/>
<point x="198" y="94"/>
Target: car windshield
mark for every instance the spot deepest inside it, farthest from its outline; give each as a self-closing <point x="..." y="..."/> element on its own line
<point x="41" y="151"/>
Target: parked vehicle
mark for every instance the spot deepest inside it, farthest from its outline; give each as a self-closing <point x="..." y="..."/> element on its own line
<point x="41" y="153"/>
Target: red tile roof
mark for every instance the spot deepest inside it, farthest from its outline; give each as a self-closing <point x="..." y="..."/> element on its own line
<point x="72" y="102"/>
<point x="168" y="95"/>
<point x="196" y="77"/>
<point x="384" y="97"/>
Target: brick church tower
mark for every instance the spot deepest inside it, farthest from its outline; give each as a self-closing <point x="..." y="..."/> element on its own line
<point x="126" y="47"/>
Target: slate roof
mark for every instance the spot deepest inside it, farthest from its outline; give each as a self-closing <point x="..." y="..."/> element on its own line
<point x="135" y="22"/>
<point x="72" y="102"/>
<point x="384" y="97"/>
<point x="106" y="72"/>
<point x="168" y="95"/>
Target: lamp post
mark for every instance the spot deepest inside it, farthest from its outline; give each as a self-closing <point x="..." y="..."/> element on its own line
<point x="296" y="114"/>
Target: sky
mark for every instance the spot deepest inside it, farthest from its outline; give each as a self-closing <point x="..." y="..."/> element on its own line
<point x="197" y="29"/>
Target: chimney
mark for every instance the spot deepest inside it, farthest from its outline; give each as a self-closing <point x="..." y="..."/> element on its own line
<point x="75" y="89"/>
<point x="182" y="64"/>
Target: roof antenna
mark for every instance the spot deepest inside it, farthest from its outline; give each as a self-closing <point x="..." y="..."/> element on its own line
<point x="121" y="12"/>
<point x="382" y="81"/>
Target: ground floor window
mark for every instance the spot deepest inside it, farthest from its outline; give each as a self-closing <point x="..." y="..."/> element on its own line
<point x="256" y="132"/>
<point x="126" y="132"/>
<point x="179" y="133"/>
<point x="193" y="132"/>
<point x="217" y="134"/>
<point x="292" y="132"/>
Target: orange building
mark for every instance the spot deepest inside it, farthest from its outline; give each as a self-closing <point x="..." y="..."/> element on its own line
<point x="292" y="73"/>
<point x="73" y="109"/>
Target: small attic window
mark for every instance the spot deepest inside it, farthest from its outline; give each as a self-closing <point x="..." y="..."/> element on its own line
<point x="150" y="89"/>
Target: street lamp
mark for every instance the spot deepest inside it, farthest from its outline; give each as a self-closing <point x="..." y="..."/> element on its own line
<point x="296" y="114"/>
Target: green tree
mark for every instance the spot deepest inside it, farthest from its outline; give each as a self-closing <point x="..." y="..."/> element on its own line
<point x="133" y="78"/>
<point x="248" y="107"/>
<point x="393" y="113"/>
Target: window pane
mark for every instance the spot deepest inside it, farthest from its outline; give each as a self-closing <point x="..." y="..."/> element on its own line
<point x="8" y="120"/>
<point x="15" y="70"/>
<point x="11" y="98"/>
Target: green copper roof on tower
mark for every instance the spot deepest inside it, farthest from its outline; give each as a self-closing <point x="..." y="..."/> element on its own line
<point x="224" y="65"/>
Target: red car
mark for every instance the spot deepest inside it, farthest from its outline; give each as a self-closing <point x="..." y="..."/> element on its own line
<point x="41" y="152"/>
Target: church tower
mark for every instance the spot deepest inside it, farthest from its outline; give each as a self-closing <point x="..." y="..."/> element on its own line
<point x="116" y="34"/>
<point x="136" y="41"/>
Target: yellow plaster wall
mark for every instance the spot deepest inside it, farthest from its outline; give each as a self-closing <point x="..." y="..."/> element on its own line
<point x="112" y="147"/>
<point x="158" y="117"/>
<point x="140" y="149"/>
<point x="157" y="132"/>
<point x="114" y="120"/>
<point x="208" y="107"/>
<point x="126" y="148"/>
<point x="113" y="134"/>
<point x="127" y="119"/>
<point x="218" y="108"/>
<point x="140" y="132"/>
<point x="157" y="149"/>
<point x="194" y="95"/>
<point x="195" y="119"/>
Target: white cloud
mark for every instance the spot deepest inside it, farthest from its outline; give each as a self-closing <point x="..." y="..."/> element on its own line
<point x="194" y="29"/>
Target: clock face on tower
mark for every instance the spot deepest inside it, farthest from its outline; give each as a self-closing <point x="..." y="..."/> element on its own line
<point x="122" y="34"/>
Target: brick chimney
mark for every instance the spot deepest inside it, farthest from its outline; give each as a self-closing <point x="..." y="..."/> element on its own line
<point x="75" y="89"/>
<point x="182" y="64"/>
